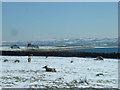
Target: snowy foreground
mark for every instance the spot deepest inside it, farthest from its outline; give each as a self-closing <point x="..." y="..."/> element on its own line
<point x="82" y="73"/>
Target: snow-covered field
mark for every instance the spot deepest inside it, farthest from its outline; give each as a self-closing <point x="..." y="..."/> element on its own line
<point x="82" y="73"/>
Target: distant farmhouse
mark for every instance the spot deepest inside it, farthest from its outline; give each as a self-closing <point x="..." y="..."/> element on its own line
<point x="30" y="46"/>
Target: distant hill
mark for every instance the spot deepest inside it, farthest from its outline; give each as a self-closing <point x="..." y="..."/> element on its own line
<point x="68" y="42"/>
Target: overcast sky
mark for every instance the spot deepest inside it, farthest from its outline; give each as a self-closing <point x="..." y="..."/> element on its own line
<point x="45" y="20"/>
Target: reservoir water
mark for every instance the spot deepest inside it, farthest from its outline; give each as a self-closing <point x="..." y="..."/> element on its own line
<point x="101" y="50"/>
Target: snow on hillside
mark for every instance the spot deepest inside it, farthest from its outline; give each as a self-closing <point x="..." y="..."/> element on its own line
<point x="68" y="42"/>
<point x="82" y="73"/>
<point x="6" y="48"/>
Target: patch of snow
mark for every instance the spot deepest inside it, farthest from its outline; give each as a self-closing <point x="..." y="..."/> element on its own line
<point x="81" y="73"/>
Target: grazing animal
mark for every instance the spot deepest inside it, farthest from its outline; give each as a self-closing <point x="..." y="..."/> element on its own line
<point x="5" y="60"/>
<point x="49" y="69"/>
<point x="99" y="58"/>
<point x="17" y="61"/>
<point x="100" y="74"/>
<point x="71" y="61"/>
<point x="29" y="59"/>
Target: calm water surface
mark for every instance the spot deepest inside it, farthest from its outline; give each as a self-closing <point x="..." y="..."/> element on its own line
<point x="105" y="50"/>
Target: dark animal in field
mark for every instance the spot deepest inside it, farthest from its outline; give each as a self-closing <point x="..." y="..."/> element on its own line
<point x="15" y="47"/>
<point x="17" y="61"/>
<point x="71" y="61"/>
<point x="49" y="69"/>
<point x="29" y="59"/>
<point x="5" y="60"/>
<point x="99" y="58"/>
<point x="100" y="74"/>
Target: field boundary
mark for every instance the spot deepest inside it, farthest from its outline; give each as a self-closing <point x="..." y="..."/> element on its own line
<point x="60" y="53"/>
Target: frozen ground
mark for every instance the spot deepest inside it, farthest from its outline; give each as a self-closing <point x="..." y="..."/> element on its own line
<point x="82" y="73"/>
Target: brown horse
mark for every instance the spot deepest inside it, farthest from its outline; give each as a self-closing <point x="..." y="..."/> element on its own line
<point x="49" y="69"/>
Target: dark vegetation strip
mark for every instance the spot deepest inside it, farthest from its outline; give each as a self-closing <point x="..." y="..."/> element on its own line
<point x="61" y="53"/>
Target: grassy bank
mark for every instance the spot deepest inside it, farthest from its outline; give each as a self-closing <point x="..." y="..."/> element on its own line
<point x="60" y="53"/>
